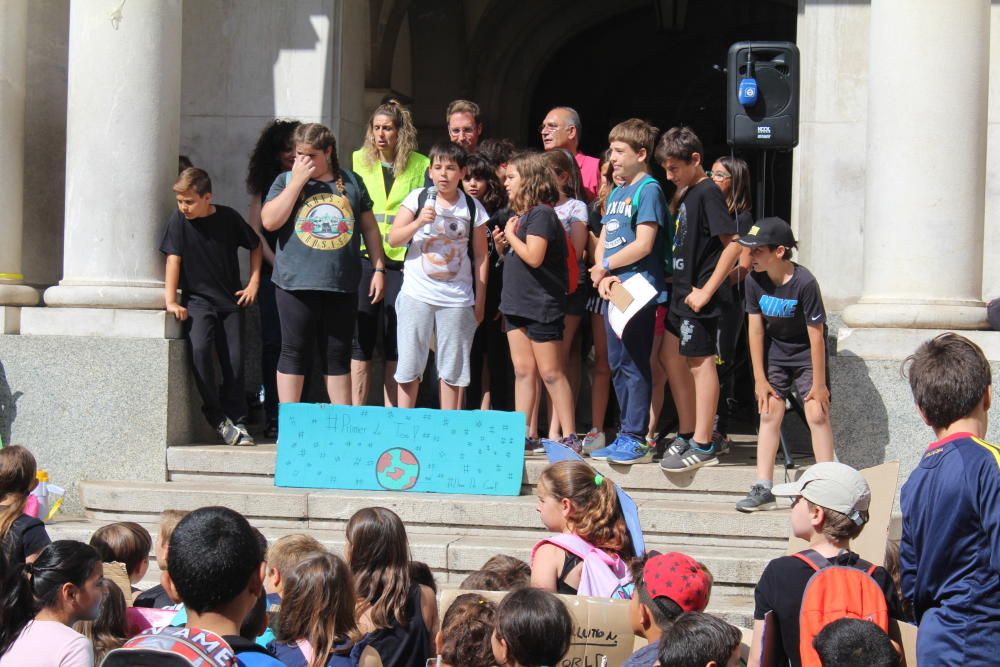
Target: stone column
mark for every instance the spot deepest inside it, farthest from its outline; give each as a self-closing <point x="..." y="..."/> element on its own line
<point x="13" y="54"/>
<point x="123" y="118"/>
<point x="926" y="166"/>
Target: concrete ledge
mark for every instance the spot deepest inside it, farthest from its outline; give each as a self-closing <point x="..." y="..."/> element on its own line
<point x="10" y="319"/>
<point x="145" y="497"/>
<point x="103" y="322"/>
<point x="897" y="344"/>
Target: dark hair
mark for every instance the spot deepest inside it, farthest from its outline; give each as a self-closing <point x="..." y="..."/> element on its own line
<point x="482" y="169"/>
<point x="449" y="152"/>
<point x="738" y="199"/>
<point x="17" y="474"/>
<point x="789" y="250"/>
<point x="124" y="542"/>
<point x="255" y="622"/>
<point x="466" y="631"/>
<point x="637" y="133"/>
<point x="852" y="642"/>
<point x="110" y="629"/>
<point x="949" y="376"/>
<point x="561" y="161"/>
<point x="891" y="566"/>
<point x="183" y="162"/>
<point x="213" y="554"/>
<point x="379" y="556"/>
<point x="695" y="639"/>
<point x="497" y="151"/>
<point x="679" y="143"/>
<point x="30" y="588"/>
<point x="663" y="610"/>
<point x="265" y="165"/>
<point x="837" y="525"/>
<point x="536" y="626"/>
<point x="499" y="573"/>
<point x="420" y="573"/>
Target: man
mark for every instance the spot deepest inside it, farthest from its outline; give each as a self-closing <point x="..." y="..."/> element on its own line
<point x="464" y="125"/>
<point x="561" y="129"/>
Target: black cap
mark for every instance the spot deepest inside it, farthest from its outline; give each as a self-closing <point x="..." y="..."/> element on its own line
<point x="769" y="231"/>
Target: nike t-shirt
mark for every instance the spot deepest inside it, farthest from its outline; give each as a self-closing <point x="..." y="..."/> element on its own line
<point x="787" y="310"/>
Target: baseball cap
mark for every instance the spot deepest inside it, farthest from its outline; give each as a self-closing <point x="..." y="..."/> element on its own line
<point x="769" y="231"/>
<point x="832" y="485"/>
<point x="679" y="577"/>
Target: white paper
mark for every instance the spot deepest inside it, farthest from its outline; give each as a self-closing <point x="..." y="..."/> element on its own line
<point x="642" y="293"/>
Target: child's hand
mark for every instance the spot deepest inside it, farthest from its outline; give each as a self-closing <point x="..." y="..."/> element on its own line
<point x="302" y="168"/>
<point x="510" y="229"/>
<point x="697" y="299"/>
<point x="499" y="240"/>
<point x="377" y="289"/>
<point x="764" y="391"/>
<point x="247" y="296"/>
<point x="427" y="215"/>
<point x="480" y="310"/>
<point x="604" y="286"/>
<point x="597" y="274"/>
<point x="821" y="395"/>
<point x="178" y="311"/>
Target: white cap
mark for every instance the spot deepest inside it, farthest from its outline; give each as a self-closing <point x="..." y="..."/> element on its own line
<point x="834" y="486"/>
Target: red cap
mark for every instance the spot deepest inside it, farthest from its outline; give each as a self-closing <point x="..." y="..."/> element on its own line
<point x="679" y="577"/>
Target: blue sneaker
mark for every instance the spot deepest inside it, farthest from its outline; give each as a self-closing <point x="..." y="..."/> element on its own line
<point x="631" y="451"/>
<point x="603" y="453"/>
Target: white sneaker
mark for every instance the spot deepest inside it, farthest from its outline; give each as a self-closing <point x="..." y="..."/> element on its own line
<point x="593" y="440"/>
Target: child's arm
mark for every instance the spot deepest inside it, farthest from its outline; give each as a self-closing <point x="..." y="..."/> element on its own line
<point x="645" y="239"/>
<point x="248" y="295"/>
<point x="257" y="226"/>
<point x="406" y="224"/>
<point x="481" y="268"/>
<point x="817" y="354"/>
<point x="275" y="213"/>
<point x="532" y="251"/>
<point x="597" y="272"/>
<point x="700" y="296"/>
<point x="545" y="565"/>
<point x="756" y="644"/>
<point x="761" y="387"/>
<point x="170" y="282"/>
<point x="373" y="241"/>
<point x="428" y="609"/>
<point x="579" y="235"/>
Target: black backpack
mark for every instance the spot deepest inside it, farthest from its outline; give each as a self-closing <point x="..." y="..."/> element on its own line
<point x="173" y="647"/>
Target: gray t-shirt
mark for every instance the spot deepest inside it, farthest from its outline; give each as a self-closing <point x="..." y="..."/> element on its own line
<point x="319" y="246"/>
<point x="644" y="657"/>
<point x="787" y="310"/>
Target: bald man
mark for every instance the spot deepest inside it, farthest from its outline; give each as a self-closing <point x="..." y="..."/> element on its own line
<point x="561" y="129"/>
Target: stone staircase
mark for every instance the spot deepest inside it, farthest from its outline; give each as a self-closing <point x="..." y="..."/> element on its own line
<point x="455" y="534"/>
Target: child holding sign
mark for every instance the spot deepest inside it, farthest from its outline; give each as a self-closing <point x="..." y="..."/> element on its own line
<point x="533" y="628"/>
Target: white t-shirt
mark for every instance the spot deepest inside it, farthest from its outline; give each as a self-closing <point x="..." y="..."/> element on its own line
<point x="437" y="269"/>
<point x="568" y="212"/>
<point x="49" y="644"/>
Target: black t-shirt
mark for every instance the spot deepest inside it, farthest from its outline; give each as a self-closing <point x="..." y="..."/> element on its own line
<point x="210" y="265"/>
<point x="155" y="598"/>
<point x="701" y="219"/>
<point x="26" y="537"/>
<point x="538" y="294"/>
<point x="787" y="311"/>
<point x="780" y="590"/>
<point x="404" y="645"/>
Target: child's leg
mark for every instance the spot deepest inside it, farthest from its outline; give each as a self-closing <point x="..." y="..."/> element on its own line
<point x="393" y="283"/>
<point x="769" y="438"/>
<point x="456" y="328"/>
<point x="525" y="371"/>
<point x="229" y="345"/>
<point x="548" y="359"/>
<point x="600" y="385"/>
<point x="298" y="325"/>
<point x="681" y="381"/>
<point x="413" y="338"/>
<point x="659" y="375"/>
<point x="200" y="329"/>
<point x="336" y="334"/>
<point x="817" y="416"/>
<point x="706" y="393"/>
<point x="632" y="374"/>
<point x="270" y="334"/>
<point x="570" y="369"/>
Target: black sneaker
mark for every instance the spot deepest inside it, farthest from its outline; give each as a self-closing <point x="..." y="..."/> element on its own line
<point x="228" y="432"/>
<point x="760" y="498"/>
<point x="271" y="432"/>
<point x="689" y="459"/>
<point x="533" y="447"/>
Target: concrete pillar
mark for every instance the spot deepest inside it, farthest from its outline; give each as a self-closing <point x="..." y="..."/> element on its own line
<point x="926" y="165"/>
<point x="123" y="121"/>
<point x="13" y="54"/>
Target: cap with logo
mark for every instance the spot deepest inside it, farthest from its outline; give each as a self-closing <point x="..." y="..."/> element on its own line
<point x="769" y="231"/>
<point x="679" y="577"/>
<point x="834" y="486"/>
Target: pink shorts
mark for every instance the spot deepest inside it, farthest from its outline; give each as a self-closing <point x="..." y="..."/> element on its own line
<point x="661" y="315"/>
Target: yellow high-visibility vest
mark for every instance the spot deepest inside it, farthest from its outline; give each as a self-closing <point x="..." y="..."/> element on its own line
<point x="386" y="204"/>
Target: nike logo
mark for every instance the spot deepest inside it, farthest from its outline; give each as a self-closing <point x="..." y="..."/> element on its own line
<point x="815" y="318"/>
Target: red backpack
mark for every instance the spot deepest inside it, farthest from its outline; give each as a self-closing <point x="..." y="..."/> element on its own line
<point x="572" y="266"/>
<point x="834" y="592"/>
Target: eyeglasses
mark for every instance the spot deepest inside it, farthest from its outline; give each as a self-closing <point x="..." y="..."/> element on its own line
<point x="549" y="126"/>
<point x="718" y="175"/>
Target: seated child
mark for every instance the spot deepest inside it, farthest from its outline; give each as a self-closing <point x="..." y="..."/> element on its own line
<point x="700" y="640"/>
<point x="124" y="542"/>
<point x="285" y="554"/>
<point x="466" y="632"/>
<point x="421" y="573"/>
<point x="499" y="573"/>
<point x="851" y="642"/>
<point x="666" y="586"/>
<point x="22" y="537"/>
<point x="110" y="629"/>
<point x="533" y="629"/>
<point x="156" y="597"/>
<point x="830" y="508"/>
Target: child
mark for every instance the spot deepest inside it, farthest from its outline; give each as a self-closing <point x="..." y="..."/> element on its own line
<point x="43" y="599"/>
<point x="573" y="499"/>
<point x="110" y="629"/>
<point x="284" y="555"/>
<point x="444" y="290"/>
<point x="629" y="245"/>
<point x="466" y="633"/>
<point x="156" y="597"/>
<point x="830" y="509"/>
<point x="499" y="573"/>
<point x="950" y="552"/>
<point x="700" y="640"/>
<point x="703" y="255"/>
<point x="534" y="291"/>
<point x="124" y="542"/>
<point x="22" y="537"/>
<point x="533" y="628"/>
<point x="399" y="616"/>
<point x="666" y="586"/>
<point x="201" y="244"/>
<point x="787" y="333"/>
<point x="852" y="642"/>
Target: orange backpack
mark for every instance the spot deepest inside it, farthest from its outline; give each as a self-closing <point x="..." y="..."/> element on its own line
<point x="834" y="592"/>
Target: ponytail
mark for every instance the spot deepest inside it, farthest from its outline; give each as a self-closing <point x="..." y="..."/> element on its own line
<point x="596" y="515"/>
<point x="17" y="474"/>
<point x="319" y="136"/>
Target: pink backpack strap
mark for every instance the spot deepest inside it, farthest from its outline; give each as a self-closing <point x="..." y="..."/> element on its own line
<point x="568" y="542"/>
<point x="306" y="648"/>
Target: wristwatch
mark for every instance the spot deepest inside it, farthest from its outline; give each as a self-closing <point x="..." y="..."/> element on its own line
<point x="605" y="264"/>
<point x="379" y="270"/>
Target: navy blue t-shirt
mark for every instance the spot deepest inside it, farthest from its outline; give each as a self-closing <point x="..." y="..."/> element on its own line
<point x="620" y="220"/>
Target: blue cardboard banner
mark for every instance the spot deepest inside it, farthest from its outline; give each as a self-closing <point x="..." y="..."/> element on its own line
<point x="326" y="446"/>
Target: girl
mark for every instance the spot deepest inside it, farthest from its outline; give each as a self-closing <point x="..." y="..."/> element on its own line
<point x="466" y="633"/>
<point x="273" y="154"/>
<point x="399" y="616"/>
<point x="21" y="536"/>
<point x="316" y="208"/>
<point x="40" y="602"/>
<point x="533" y="629"/>
<point x="110" y="629"/>
<point x="316" y="627"/>
<point x="444" y="291"/>
<point x="572" y="499"/>
<point x="391" y="168"/>
<point x="534" y="291"/>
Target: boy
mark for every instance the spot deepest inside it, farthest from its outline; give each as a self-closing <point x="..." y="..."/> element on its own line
<point x="285" y="554"/>
<point x="700" y="640"/>
<point x="666" y="586"/>
<point x="787" y="337"/>
<point x="201" y="244"/>
<point x="830" y="509"/>
<point x="703" y="256"/>
<point x="950" y="552"/>
<point x="852" y="642"/>
<point x="125" y="542"/>
<point x="629" y="245"/>
<point x="156" y="597"/>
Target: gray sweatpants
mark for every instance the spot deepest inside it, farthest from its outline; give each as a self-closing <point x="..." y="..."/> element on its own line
<point x="417" y="323"/>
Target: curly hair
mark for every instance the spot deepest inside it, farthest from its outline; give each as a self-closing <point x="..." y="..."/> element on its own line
<point x="466" y="631"/>
<point x="538" y="182"/>
<point x="596" y="516"/>
<point x="265" y="164"/>
<point x="480" y="168"/>
<point x="407" y="133"/>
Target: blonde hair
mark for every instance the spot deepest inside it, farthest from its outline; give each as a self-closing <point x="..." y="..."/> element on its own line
<point x="17" y="474"/>
<point x="407" y="143"/>
<point x="538" y="182"/>
<point x="168" y="521"/>
<point x="595" y="513"/>
<point x="193" y="178"/>
<point x="290" y="550"/>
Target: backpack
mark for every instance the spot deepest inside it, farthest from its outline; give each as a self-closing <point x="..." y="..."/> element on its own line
<point x="604" y="575"/>
<point x="572" y="267"/>
<point x="173" y="647"/>
<point x="834" y="592"/>
<point x="470" y="202"/>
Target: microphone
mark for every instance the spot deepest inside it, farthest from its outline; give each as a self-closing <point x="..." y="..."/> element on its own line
<point x="748" y="91"/>
<point x="432" y="195"/>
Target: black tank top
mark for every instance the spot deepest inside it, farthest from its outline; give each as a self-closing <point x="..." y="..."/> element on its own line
<point x="404" y="645"/>
<point x="572" y="560"/>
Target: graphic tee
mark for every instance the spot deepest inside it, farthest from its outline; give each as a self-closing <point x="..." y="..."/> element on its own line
<point x="538" y="293"/>
<point x="319" y="246"/>
<point x="620" y="220"/>
<point x="210" y="264"/>
<point x="787" y="311"/>
<point x="437" y="269"/>
<point x="569" y="212"/>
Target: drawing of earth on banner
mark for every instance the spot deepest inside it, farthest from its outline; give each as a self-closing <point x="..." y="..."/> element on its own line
<point x="397" y="469"/>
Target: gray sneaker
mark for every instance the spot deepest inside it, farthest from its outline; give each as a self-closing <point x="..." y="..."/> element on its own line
<point x="760" y="498"/>
<point x="245" y="439"/>
<point x="677" y="447"/>
<point x="228" y="432"/>
<point x="689" y="459"/>
<point x="722" y="443"/>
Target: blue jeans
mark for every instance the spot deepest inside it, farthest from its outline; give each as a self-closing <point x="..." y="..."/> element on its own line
<point x="631" y="374"/>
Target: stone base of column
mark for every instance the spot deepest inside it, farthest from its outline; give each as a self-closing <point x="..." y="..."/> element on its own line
<point x="10" y="319"/>
<point x="105" y="296"/>
<point x="896" y="344"/>
<point x="99" y="322"/>
<point x="962" y="315"/>
<point x="17" y="295"/>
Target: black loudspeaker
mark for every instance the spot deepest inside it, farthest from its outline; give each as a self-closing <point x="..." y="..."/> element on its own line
<point x="772" y="120"/>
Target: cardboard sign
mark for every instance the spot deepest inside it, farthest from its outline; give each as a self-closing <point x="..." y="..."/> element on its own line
<point x="905" y="635"/>
<point x="392" y="449"/>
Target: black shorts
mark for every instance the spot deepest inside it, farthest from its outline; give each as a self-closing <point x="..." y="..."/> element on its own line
<point x="540" y="332"/>
<point x="782" y="376"/>
<point x="699" y="336"/>
<point x="576" y="303"/>
<point x="376" y="318"/>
